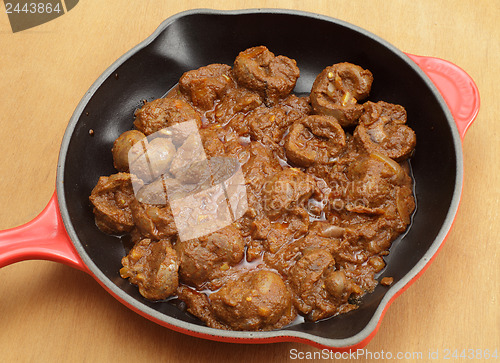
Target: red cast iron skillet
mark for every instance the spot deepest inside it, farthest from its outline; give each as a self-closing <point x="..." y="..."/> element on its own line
<point x="65" y="231"/>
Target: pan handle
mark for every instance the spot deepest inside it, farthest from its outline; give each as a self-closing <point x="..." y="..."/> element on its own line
<point x="44" y="238"/>
<point x="456" y="86"/>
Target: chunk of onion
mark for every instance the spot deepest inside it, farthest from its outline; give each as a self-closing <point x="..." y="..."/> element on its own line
<point x="331" y="230"/>
<point x="393" y="166"/>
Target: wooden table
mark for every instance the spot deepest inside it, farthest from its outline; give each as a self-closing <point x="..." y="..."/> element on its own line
<point x="51" y="312"/>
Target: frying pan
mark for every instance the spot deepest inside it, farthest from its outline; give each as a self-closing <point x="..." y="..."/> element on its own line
<point x="65" y="230"/>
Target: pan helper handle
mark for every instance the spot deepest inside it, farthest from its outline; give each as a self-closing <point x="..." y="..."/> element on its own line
<point x="44" y="238"/>
<point x="456" y="86"/>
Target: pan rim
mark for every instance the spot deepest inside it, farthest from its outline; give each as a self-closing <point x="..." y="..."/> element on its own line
<point x="247" y="336"/>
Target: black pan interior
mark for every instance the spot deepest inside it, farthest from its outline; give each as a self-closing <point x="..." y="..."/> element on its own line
<point x="198" y="39"/>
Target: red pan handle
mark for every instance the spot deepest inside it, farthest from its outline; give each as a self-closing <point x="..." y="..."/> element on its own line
<point x="456" y="86"/>
<point x="44" y="238"/>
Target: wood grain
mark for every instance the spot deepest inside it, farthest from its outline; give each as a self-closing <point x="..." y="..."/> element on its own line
<point x="50" y="312"/>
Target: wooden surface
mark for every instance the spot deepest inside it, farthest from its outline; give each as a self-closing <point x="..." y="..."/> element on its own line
<point x="50" y="312"/>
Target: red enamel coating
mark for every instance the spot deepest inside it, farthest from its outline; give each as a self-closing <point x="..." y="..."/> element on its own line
<point x="45" y="237"/>
<point x="456" y="86"/>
